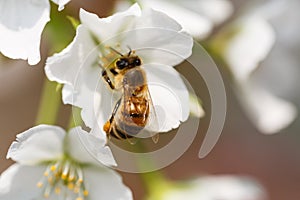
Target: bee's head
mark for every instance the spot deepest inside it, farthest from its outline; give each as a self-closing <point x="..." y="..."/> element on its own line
<point x="127" y="62"/>
<point x="122" y="63"/>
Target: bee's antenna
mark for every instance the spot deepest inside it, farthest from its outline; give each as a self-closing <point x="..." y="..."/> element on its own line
<point x="130" y="50"/>
<point x="116" y="51"/>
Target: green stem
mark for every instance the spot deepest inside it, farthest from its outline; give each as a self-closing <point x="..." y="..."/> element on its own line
<point x="60" y="33"/>
<point x="155" y="182"/>
<point x="49" y="104"/>
<point x="133" y="1"/>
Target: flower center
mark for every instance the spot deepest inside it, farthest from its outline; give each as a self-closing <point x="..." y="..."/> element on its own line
<point x="64" y="177"/>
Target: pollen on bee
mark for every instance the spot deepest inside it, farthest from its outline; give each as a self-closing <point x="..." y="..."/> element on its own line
<point x="106" y="127"/>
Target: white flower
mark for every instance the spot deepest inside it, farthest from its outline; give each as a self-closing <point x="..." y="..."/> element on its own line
<point x="217" y="187"/>
<point x="157" y="39"/>
<point x="21" y="26"/>
<point x="253" y="59"/>
<point x="198" y="17"/>
<point x="54" y="165"/>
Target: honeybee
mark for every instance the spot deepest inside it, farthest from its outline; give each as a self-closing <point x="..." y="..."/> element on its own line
<point x="134" y="112"/>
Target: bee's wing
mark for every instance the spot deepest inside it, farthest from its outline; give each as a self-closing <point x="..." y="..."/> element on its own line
<point x="152" y="126"/>
<point x="148" y="126"/>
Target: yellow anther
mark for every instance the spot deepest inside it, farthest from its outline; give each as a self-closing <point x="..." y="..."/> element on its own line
<point x="80" y="180"/>
<point x="71" y="186"/>
<point x="46" y="195"/>
<point x="64" y="176"/>
<point x="39" y="184"/>
<point x="79" y="198"/>
<point x="46" y="174"/>
<point x="86" y="193"/>
<point x="76" y="190"/>
<point x="57" y="190"/>
<point x="53" y="168"/>
<point x="50" y="180"/>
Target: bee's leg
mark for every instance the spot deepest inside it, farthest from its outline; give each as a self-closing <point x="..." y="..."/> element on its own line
<point x="108" y="125"/>
<point x="107" y="79"/>
<point x="111" y="119"/>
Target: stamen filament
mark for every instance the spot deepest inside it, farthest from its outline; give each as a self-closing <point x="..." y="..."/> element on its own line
<point x="47" y="191"/>
<point x="80" y="175"/>
<point x="72" y="174"/>
<point x="66" y="170"/>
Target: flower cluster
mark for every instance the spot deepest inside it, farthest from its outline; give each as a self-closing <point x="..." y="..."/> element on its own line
<point x="119" y="71"/>
<point x="73" y="165"/>
<point x="54" y="164"/>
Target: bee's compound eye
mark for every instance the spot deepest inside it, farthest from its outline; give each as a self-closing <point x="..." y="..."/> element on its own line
<point x="121" y="64"/>
<point x="137" y="62"/>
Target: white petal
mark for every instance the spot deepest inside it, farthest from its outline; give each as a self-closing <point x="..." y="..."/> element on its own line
<point x="157" y="38"/>
<point x="19" y="182"/>
<point x="275" y="78"/>
<point x="269" y="113"/>
<point x="218" y="187"/>
<point x="154" y="35"/>
<point x="105" y="28"/>
<point x="215" y="10"/>
<point x="249" y="47"/>
<point x="21" y="26"/>
<point x="105" y="184"/>
<point x="87" y="148"/>
<point x="76" y="66"/>
<point x="169" y="95"/>
<point x="91" y="94"/>
<point x="192" y="22"/>
<point x="61" y="3"/>
<point x="66" y="66"/>
<point x="38" y="144"/>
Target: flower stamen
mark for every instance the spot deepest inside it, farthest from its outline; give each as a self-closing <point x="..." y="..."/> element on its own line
<point x="60" y="175"/>
<point x="66" y="170"/>
<point x="39" y="184"/>
<point x="57" y="190"/>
